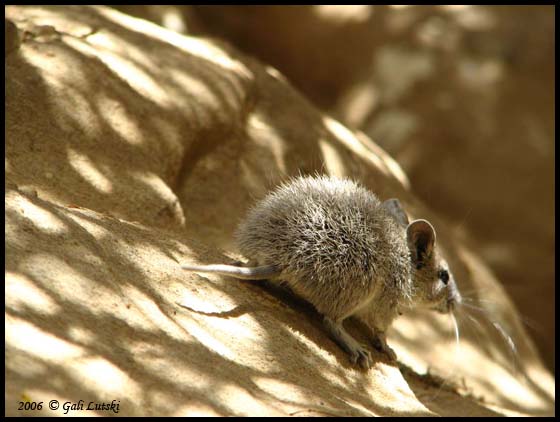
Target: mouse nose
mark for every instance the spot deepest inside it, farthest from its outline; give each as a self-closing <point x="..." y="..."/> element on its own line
<point x="450" y="305"/>
<point x="453" y="299"/>
<point x="453" y="296"/>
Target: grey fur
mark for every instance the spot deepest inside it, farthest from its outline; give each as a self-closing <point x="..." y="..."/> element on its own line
<point x="337" y="246"/>
<point x="394" y="207"/>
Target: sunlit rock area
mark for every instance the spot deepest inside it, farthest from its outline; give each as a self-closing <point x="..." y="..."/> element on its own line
<point x="137" y="139"/>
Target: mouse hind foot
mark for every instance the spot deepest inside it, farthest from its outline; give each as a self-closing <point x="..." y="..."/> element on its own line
<point x="359" y="353"/>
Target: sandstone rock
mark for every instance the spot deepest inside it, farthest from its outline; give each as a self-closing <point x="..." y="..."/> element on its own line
<point x="11" y="37"/>
<point x="130" y="149"/>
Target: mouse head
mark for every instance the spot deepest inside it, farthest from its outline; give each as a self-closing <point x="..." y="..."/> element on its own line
<point x="433" y="283"/>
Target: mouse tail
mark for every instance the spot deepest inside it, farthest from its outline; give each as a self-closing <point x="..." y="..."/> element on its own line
<point x="244" y="273"/>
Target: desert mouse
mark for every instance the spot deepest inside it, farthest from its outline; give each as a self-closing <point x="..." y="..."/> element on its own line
<point x="336" y="245"/>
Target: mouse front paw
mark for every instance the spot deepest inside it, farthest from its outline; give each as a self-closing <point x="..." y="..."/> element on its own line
<point x="360" y="355"/>
<point x="379" y="341"/>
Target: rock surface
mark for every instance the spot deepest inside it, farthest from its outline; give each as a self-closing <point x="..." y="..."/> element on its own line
<point x="131" y="149"/>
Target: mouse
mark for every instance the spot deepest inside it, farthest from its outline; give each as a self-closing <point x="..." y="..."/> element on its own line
<point x="333" y="243"/>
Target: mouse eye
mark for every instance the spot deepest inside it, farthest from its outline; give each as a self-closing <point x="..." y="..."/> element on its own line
<point x="443" y="276"/>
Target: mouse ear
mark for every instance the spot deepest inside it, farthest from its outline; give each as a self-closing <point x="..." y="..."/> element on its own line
<point x="394" y="208"/>
<point x="421" y="238"/>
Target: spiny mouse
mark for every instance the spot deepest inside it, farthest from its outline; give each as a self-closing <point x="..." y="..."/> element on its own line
<point x="336" y="245"/>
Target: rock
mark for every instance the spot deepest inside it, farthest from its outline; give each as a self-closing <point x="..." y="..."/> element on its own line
<point x="11" y="37"/>
<point x="157" y="144"/>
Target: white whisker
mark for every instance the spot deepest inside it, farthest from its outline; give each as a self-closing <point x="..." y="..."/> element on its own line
<point x="504" y="336"/>
<point x="456" y="327"/>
